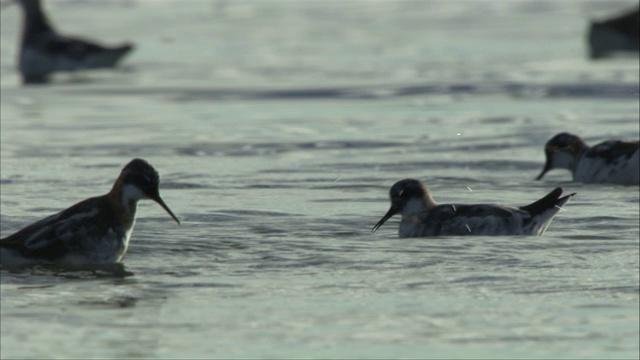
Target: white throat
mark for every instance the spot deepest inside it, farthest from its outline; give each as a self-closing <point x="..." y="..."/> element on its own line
<point x="131" y="194"/>
<point x="563" y="160"/>
<point x="412" y="207"/>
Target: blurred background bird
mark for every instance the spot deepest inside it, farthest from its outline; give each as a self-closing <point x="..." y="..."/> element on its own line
<point x="44" y="51"/>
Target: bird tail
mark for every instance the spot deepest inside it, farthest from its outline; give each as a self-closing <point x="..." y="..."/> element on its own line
<point x="548" y="202"/>
<point x="543" y="210"/>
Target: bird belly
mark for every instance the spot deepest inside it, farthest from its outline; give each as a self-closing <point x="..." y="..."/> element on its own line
<point x="10" y="258"/>
<point x="623" y="171"/>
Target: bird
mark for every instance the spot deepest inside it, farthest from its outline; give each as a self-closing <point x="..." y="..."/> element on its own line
<point x="617" y="35"/>
<point x="423" y="217"/>
<point x="44" y="51"/>
<point x="95" y="231"/>
<point x="609" y="162"/>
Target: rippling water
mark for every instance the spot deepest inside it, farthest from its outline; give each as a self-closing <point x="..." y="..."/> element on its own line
<point x="278" y="128"/>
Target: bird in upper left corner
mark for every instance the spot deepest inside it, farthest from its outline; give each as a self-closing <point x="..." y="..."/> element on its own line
<point x="44" y="51"/>
<point x="95" y="231"/>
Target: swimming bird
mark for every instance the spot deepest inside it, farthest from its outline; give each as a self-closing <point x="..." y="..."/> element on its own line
<point x="617" y="35"/>
<point x="43" y="51"/>
<point x="92" y="232"/>
<point x="610" y="162"/>
<point x="422" y="217"/>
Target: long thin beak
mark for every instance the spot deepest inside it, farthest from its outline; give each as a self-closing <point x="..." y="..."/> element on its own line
<point x="158" y="199"/>
<point x="547" y="167"/>
<point x="392" y="211"/>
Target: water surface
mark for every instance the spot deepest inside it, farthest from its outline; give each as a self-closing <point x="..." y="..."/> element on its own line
<point x="277" y="128"/>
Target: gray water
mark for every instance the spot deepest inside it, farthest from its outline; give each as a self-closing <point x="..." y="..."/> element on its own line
<point x="277" y="128"/>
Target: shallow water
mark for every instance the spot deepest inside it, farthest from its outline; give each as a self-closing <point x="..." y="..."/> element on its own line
<point x="277" y="129"/>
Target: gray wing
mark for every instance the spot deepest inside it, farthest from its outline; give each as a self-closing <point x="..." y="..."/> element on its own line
<point x="58" y="234"/>
<point x="481" y="219"/>
<point x="612" y="150"/>
<point x="38" y="240"/>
